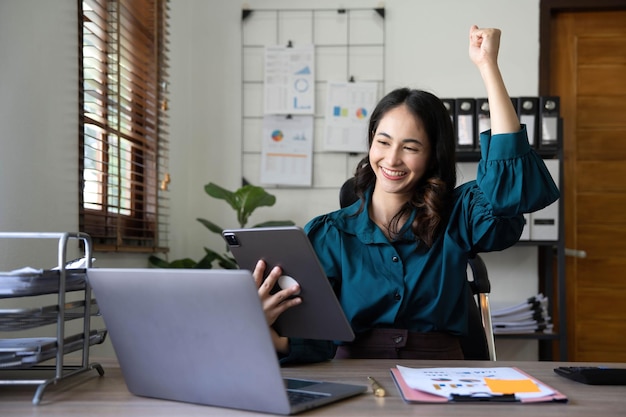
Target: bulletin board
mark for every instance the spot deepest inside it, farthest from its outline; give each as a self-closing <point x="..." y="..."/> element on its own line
<point x="348" y="46"/>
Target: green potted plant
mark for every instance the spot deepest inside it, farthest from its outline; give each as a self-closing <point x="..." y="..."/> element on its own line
<point x="244" y="201"/>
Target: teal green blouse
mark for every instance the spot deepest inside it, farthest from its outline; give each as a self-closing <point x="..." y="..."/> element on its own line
<point x="391" y="285"/>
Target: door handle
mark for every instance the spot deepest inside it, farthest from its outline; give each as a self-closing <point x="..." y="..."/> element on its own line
<point x="576" y="253"/>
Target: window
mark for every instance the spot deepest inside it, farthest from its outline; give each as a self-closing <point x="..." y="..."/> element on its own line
<point x="123" y="124"/>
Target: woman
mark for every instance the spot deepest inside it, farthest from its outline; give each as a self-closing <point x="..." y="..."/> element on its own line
<point x="397" y="258"/>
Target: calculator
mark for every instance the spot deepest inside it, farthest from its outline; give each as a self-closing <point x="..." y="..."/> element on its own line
<point x="593" y="375"/>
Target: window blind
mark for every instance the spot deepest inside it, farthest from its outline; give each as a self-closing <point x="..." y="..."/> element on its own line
<point x="124" y="203"/>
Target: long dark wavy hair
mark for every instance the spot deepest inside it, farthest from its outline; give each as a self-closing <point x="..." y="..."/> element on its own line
<point x="432" y="196"/>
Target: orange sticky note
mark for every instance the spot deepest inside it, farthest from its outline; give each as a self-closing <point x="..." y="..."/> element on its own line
<point x="511" y="386"/>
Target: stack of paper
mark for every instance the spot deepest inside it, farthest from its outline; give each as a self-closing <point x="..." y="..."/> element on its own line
<point x="530" y="316"/>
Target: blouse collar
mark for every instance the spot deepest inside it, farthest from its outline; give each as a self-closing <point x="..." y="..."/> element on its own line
<point x="363" y="227"/>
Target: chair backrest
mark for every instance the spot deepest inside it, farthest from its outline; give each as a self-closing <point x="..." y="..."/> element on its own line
<point x="479" y="343"/>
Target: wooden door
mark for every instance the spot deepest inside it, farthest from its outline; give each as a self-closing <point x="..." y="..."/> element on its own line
<point x="588" y="71"/>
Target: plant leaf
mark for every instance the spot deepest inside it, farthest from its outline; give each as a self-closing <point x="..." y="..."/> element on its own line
<point x="227" y="264"/>
<point x="211" y="226"/>
<point x="244" y="201"/>
<point x="206" y="262"/>
<point x="183" y="263"/>
<point x="224" y="261"/>
<point x="178" y="263"/>
<point x="157" y="262"/>
<point x="220" y="193"/>
<point x="250" y="198"/>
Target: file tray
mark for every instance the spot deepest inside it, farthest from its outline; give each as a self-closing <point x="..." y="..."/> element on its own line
<point x="28" y="318"/>
<point x="20" y="353"/>
<point x="39" y="282"/>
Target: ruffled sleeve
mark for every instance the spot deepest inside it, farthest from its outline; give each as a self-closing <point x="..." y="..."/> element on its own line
<point x="513" y="178"/>
<point x="325" y="240"/>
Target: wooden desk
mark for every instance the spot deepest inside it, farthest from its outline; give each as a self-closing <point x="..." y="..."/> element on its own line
<point x="91" y="395"/>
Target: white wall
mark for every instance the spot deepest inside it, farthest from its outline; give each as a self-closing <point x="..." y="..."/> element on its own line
<point x="426" y="47"/>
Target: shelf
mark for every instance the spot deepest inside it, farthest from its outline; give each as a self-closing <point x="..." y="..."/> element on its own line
<point x="551" y="280"/>
<point x="533" y="336"/>
<point x="21" y="319"/>
<point x="552" y="243"/>
<point x="30" y="282"/>
<point x="21" y="354"/>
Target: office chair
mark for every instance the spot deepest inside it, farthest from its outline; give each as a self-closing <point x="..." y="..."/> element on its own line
<point x="479" y="342"/>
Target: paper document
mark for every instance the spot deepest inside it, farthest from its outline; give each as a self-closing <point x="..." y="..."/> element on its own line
<point x="289" y="83"/>
<point x="348" y="109"/>
<point x="474" y="382"/>
<point x="287" y="150"/>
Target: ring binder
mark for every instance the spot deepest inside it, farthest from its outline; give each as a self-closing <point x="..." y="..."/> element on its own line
<point x="465" y="122"/>
<point x="528" y="112"/>
<point x="483" y="118"/>
<point x="449" y="104"/>
<point x="549" y="114"/>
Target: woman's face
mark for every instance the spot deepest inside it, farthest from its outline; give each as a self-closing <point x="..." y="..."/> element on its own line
<point x="400" y="151"/>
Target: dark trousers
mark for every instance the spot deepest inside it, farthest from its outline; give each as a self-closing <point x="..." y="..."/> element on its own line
<point x="401" y="344"/>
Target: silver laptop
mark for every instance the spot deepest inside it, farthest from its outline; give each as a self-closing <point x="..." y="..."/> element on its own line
<point x="200" y="336"/>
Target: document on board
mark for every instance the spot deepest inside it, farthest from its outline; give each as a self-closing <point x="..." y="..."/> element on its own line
<point x="289" y="82"/>
<point x="348" y="107"/>
<point x="461" y="384"/>
<point x="287" y="150"/>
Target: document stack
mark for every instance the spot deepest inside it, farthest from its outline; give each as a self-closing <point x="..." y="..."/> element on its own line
<point x="530" y="316"/>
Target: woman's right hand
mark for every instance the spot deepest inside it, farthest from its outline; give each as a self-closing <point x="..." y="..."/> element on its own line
<point x="275" y="304"/>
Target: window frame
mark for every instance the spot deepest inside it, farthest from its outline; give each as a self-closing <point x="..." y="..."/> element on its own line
<point x="123" y="137"/>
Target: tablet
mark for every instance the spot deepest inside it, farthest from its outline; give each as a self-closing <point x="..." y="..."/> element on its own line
<point x="320" y="315"/>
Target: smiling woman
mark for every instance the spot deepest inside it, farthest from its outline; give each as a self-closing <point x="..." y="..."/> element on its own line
<point x="123" y="141"/>
<point x="397" y="257"/>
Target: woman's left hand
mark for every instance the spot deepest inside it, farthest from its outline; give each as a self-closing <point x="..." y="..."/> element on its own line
<point x="484" y="44"/>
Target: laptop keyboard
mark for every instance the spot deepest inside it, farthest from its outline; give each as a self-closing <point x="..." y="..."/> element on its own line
<point x="299" y="397"/>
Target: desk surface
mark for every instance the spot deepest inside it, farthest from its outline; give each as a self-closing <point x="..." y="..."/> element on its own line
<point x="93" y="395"/>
